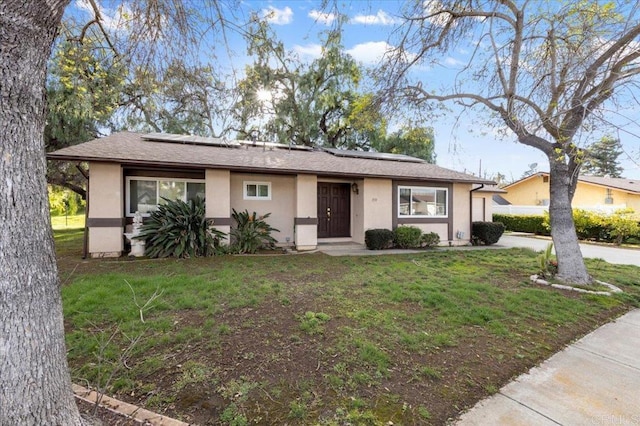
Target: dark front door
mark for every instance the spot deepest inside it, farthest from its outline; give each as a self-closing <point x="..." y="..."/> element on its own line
<point x="334" y="212"/>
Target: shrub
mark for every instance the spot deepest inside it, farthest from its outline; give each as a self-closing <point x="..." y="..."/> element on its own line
<point x="180" y="229"/>
<point x="378" y="239"/>
<point x="430" y="239"/>
<point x="548" y="265"/>
<point x="251" y="233"/>
<point x="522" y="223"/>
<point x="407" y="237"/>
<point x="622" y="225"/>
<point x="487" y="232"/>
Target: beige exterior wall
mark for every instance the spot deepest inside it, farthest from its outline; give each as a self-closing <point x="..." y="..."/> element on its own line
<point x="442" y="229"/>
<point x="461" y="213"/>
<point x="529" y="192"/>
<point x="372" y="207"/>
<point x="282" y="204"/>
<point x="306" y="235"/>
<point x="482" y="207"/>
<point x="106" y="201"/>
<point x="594" y="195"/>
<point x="218" y="196"/>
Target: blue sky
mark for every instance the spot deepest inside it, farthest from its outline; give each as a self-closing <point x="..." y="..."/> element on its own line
<point x="463" y="146"/>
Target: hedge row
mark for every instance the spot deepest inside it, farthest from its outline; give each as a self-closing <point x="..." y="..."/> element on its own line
<point x="522" y="223"/>
<point x="615" y="228"/>
<point x="402" y="237"/>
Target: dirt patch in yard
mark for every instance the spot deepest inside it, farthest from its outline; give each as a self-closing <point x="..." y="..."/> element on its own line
<point x="340" y="341"/>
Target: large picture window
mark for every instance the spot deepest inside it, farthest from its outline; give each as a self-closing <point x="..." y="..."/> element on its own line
<point x="145" y="194"/>
<point x="419" y="201"/>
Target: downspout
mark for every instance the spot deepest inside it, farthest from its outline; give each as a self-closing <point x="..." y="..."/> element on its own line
<point x="85" y="239"/>
<point x="471" y="201"/>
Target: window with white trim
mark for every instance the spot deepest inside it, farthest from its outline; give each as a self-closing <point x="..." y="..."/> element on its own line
<point x="144" y="194"/>
<point x="256" y="190"/>
<point x="422" y="201"/>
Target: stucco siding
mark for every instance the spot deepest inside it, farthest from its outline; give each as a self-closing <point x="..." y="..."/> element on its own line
<point x="106" y="202"/>
<point x="282" y="204"/>
<point x="306" y="235"/>
<point x="377" y="205"/>
<point x="218" y="196"/>
<point x="461" y="213"/>
<point x="442" y="229"/>
<point x="530" y="192"/>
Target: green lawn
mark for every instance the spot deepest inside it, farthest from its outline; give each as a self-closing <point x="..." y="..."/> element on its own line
<point x="313" y="339"/>
<point x="67" y="222"/>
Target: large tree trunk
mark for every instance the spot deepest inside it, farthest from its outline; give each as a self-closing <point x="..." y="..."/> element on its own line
<point x="571" y="267"/>
<point x="35" y="387"/>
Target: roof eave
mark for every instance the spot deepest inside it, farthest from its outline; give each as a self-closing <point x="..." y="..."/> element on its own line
<point x="146" y="163"/>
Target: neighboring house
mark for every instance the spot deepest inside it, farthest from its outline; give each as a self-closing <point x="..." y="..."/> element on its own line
<point x="312" y="195"/>
<point x="591" y="192"/>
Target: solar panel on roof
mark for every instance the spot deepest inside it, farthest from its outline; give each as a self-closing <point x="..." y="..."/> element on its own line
<point x="373" y="155"/>
<point x="189" y="139"/>
<point x="275" y="145"/>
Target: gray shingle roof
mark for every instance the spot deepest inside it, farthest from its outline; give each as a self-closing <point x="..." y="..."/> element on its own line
<point x="629" y="185"/>
<point x="131" y="149"/>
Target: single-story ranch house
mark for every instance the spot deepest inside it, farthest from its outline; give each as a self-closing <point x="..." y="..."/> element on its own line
<point x="313" y="195"/>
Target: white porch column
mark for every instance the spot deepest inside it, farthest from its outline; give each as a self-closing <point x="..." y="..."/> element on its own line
<point x="106" y="210"/>
<point x="306" y="218"/>
<point x="218" y="198"/>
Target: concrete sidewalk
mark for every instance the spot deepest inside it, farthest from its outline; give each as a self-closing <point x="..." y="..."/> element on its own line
<point x="595" y="381"/>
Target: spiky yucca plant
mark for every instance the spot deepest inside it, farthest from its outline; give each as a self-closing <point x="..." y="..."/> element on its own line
<point x="251" y="232"/>
<point x="180" y="229"/>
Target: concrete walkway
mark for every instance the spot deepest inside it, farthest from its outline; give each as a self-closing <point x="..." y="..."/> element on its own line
<point x="595" y="381"/>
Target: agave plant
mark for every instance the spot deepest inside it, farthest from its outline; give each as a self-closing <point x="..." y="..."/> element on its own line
<point x="180" y="229"/>
<point x="251" y="232"/>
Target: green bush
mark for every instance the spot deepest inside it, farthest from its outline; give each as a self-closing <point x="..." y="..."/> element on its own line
<point x="522" y="223"/>
<point x="623" y="224"/>
<point x="487" y="232"/>
<point x="407" y="237"/>
<point x="251" y="233"/>
<point x="615" y="228"/>
<point x="180" y="229"/>
<point x="378" y="239"/>
<point x="430" y="239"/>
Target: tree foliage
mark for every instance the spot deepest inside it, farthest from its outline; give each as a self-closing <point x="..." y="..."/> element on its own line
<point x="414" y="141"/>
<point x="544" y="70"/>
<point x="601" y="158"/>
<point x="288" y="100"/>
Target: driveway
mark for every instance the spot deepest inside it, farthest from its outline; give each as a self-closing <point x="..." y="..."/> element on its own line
<point x="616" y="255"/>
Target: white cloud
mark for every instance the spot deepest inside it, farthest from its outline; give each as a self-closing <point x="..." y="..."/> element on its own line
<point x="310" y="50"/>
<point x="370" y="52"/>
<point x="453" y="62"/>
<point x="277" y="16"/>
<point x="380" y="18"/>
<point x="322" y="17"/>
<point x="111" y="20"/>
